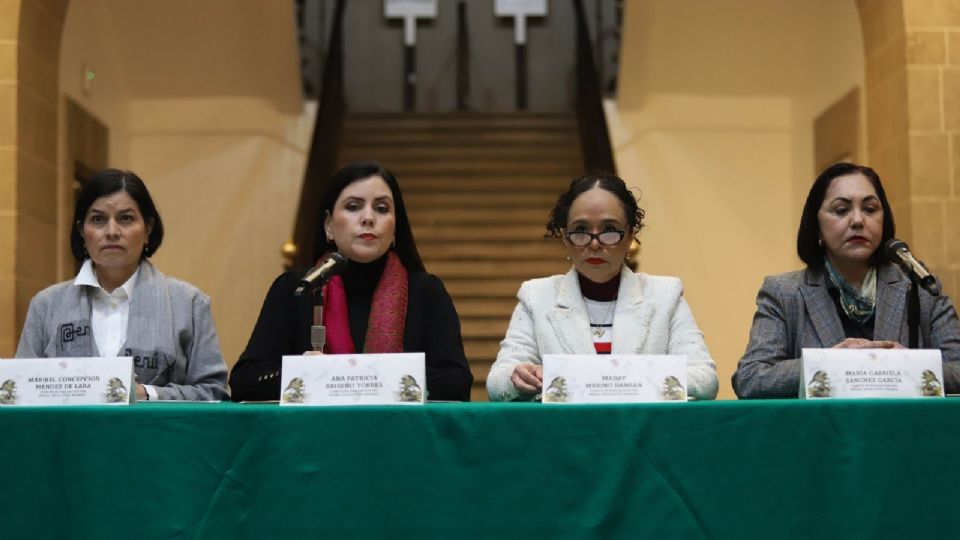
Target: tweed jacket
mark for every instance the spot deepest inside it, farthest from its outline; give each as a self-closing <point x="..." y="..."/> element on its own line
<point x="170" y="334"/>
<point x="795" y="311"/>
<point x="650" y="317"/>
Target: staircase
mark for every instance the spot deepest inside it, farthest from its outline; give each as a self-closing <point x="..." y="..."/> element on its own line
<point x="478" y="190"/>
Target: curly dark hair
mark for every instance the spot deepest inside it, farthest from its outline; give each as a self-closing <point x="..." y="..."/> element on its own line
<point x="604" y="180"/>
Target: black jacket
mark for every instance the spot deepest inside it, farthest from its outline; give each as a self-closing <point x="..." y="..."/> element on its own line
<point x="283" y="328"/>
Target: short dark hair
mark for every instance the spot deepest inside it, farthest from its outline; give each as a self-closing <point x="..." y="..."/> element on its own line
<point x="578" y="186"/>
<point x="404" y="244"/>
<point x="808" y="235"/>
<point x="107" y="182"/>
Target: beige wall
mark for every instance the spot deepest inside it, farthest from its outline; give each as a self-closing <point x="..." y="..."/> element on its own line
<point x="226" y="175"/>
<point x="714" y="125"/>
<point x="224" y="166"/>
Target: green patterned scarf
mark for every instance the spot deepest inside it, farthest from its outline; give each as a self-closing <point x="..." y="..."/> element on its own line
<point x="858" y="305"/>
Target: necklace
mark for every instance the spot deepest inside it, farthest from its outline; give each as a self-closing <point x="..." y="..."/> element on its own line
<point x="598" y="328"/>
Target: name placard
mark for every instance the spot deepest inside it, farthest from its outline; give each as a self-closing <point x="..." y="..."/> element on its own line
<point x="617" y="378"/>
<point x="67" y="381"/>
<point x="354" y="379"/>
<point x="871" y="373"/>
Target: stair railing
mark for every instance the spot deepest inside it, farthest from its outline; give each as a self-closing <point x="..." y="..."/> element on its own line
<point x="322" y="157"/>
<point x="594" y="137"/>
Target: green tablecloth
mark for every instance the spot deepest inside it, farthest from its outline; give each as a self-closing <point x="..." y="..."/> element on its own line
<point x="781" y="469"/>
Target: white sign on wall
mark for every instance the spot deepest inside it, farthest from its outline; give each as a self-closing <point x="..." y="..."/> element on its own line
<point x="410" y="11"/>
<point x="520" y="10"/>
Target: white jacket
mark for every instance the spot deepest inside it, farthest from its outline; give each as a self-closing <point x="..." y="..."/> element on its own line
<point x="651" y="317"/>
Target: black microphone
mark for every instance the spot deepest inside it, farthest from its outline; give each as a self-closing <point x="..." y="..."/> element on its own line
<point x="322" y="273"/>
<point x="898" y="252"/>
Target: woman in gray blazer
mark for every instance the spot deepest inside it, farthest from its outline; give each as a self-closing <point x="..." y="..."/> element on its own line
<point x="849" y="296"/>
<point x="600" y="306"/>
<point x="121" y="305"/>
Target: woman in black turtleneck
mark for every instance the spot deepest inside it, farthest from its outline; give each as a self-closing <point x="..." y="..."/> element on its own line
<point x="384" y="302"/>
<point x="599" y="306"/>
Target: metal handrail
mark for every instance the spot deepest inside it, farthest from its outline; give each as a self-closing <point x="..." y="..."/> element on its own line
<point x="594" y="137"/>
<point x="321" y="160"/>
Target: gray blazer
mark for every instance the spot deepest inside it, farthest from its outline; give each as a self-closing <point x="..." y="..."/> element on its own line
<point x="170" y="334"/>
<point x="795" y="311"/>
<point x="650" y="317"/>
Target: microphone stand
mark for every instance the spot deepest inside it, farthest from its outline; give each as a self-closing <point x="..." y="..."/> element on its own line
<point x="913" y="312"/>
<point x="318" y="332"/>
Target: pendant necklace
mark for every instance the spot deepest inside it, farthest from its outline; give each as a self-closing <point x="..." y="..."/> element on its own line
<point x="598" y="329"/>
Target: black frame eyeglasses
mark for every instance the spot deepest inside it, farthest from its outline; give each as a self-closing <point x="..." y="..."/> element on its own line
<point x="606" y="238"/>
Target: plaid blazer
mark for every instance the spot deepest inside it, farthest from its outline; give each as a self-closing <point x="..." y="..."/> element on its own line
<point x="795" y="311"/>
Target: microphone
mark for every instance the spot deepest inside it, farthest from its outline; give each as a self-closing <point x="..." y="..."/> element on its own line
<point x="322" y="273"/>
<point x="898" y="252"/>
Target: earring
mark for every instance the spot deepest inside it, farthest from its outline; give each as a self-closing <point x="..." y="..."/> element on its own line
<point x="820" y="242"/>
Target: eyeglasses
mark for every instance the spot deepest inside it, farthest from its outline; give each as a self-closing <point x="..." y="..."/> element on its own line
<point x="606" y="238"/>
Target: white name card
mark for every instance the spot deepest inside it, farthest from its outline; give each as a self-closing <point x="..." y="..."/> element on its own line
<point x="67" y="381"/>
<point x="354" y="379"/>
<point x="617" y="378"/>
<point x="871" y="373"/>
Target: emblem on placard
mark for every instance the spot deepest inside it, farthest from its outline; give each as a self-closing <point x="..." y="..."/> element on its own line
<point x="8" y="392"/>
<point x="929" y="384"/>
<point x="295" y="391"/>
<point x="410" y="391"/>
<point x="116" y="391"/>
<point x="556" y="392"/>
<point x="673" y="390"/>
<point x="819" y="385"/>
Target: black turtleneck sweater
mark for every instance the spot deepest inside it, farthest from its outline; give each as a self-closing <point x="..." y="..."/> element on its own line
<point x="283" y="328"/>
<point x="359" y="282"/>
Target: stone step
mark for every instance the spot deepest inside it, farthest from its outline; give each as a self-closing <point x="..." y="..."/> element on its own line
<point x="481" y="308"/>
<point x="481" y="350"/>
<point x="482" y="268"/>
<point x="503" y="233"/>
<point x="487" y="328"/>
<point x="453" y="137"/>
<point x="531" y="250"/>
<point x="400" y="121"/>
<point x="503" y="287"/>
<point x="456" y="169"/>
<point x="426" y="217"/>
<point x="538" y="182"/>
<point x="391" y="155"/>
<point x="542" y="202"/>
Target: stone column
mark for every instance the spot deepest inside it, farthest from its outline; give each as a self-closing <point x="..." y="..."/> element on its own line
<point x="30" y="33"/>
<point x="912" y="90"/>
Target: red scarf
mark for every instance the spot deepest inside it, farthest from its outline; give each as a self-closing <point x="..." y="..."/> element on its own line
<point x="388" y="313"/>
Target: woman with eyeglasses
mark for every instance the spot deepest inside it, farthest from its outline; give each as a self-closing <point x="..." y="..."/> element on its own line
<point x="600" y="306"/>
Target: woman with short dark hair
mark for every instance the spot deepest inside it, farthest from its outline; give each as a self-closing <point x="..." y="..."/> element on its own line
<point x="119" y="304"/>
<point x="600" y="306"/>
<point x="383" y="302"/>
<point x="849" y="296"/>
